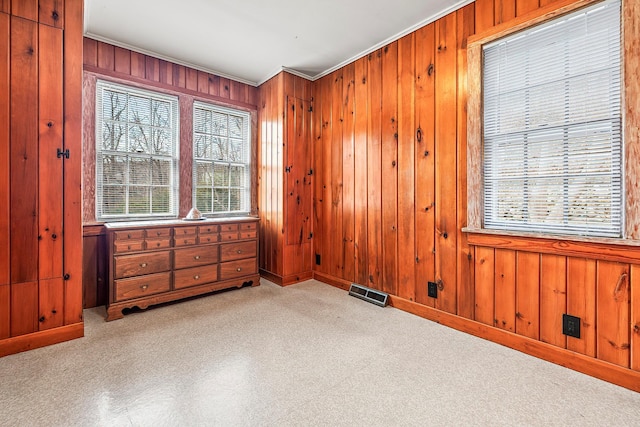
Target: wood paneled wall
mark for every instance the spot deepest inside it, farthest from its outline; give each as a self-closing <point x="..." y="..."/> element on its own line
<point x="102" y="60"/>
<point x="285" y="178"/>
<point x="40" y="209"/>
<point x="390" y="203"/>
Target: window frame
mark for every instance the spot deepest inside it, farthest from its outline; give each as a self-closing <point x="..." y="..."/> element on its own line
<point x="245" y="191"/>
<point x="174" y="157"/>
<point x="475" y="145"/>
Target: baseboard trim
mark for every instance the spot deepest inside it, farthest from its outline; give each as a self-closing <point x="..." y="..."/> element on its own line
<point x="41" y="339"/>
<point x="331" y="280"/>
<point x="600" y="369"/>
<point x="286" y="280"/>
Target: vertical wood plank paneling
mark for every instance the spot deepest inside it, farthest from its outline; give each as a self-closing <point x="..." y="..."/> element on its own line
<point x="50" y="303"/>
<point x="179" y="76"/>
<point x="553" y="298"/>
<point x="225" y="90"/>
<point x="51" y="12"/>
<point x="505" y="10"/>
<point x="152" y="69"/>
<point x="360" y="170"/>
<point x="406" y="168"/>
<point x="505" y="289"/>
<point x="24" y="308"/>
<point x="389" y="169"/>
<point x="265" y="91"/>
<point x="73" y="166"/>
<point x="613" y="321"/>
<point x="186" y="153"/>
<point x="348" y="172"/>
<point x="374" y="180"/>
<point x="278" y="196"/>
<point x="138" y="65"/>
<point x="445" y="165"/>
<point x="5" y="311"/>
<point x="191" y="79"/>
<point x="106" y="56"/>
<point x="165" y="72"/>
<point x="90" y="256"/>
<point x="581" y="302"/>
<point x="90" y="52"/>
<point x="238" y="92"/>
<point x="546" y="2"/>
<point x="326" y="196"/>
<point x="424" y="161"/>
<point x="203" y="82"/>
<point x="337" y="238"/>
<point x="318" y="175"/>
<point x="27" y="9"/>
<point x="50" y="180"/>
<point x="122" y="60"/>
<point x="270" y="115"/>
<point x="525" y="6"/>
<point x="214" y="85"/>
<point x="485" y="289"/>
<point x="465" y="299"/>
<point x="5" y="138"/>
<point x="528" y="295"/>
<point x="88" y="149"/>
<point x="635" y="317"/>
<point x="631" y="25"/>
<point x="483" y="15"/>
<point x="5" y="7"/>
<point x="24" y="153"/>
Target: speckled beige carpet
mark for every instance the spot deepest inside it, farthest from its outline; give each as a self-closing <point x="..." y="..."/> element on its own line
<point x="304" y="355"/>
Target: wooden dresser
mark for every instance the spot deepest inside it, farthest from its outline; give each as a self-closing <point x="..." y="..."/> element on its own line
<point x="160" y="261"/>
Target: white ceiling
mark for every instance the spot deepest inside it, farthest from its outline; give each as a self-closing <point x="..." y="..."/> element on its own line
<point x="252" y="40"/>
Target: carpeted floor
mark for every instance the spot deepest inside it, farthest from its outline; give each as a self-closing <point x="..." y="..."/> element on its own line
<point x="304" y="355"/>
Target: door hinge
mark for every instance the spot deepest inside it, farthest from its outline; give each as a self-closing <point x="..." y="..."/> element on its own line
<point x="64" y="153"/>
<point x="311" y="109"/>
<point x="310" y="171"/>
<point x="287" y="169"/>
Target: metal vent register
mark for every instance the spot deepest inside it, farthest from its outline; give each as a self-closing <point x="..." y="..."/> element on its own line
<point x="370" y="295"/>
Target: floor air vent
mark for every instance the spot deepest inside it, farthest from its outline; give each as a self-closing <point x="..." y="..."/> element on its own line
<point x="373" y="296"/>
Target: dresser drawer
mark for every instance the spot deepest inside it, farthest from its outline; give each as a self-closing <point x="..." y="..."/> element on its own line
<point x="191" y="257"/>
<point x="157" y="233"/>
<point x="195" y="276"/>
<point x="129" y="235"/>
<point x="248" y="234"/>
<point x="228" y="236"/>
<point x="184" y="231"/>
<point x="228" y="227"/>
<point x="238" y="250"/>
<point x="122" y="246"/>
<point x="230" y="270"/>
<point x="137" y="287"/>
<point x="248" y="226"/>
<point x="136" y="265"/>
<point x="208" y="229"/>
<point x="208" y="238"/>
<point x="161" y="243"/>
<point x="185" y="240"/>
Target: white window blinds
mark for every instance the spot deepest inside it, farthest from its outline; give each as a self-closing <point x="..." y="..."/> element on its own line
<point x="221" y="160"/>
<point x="552" y="126"/>
<point x="136" y="153"/>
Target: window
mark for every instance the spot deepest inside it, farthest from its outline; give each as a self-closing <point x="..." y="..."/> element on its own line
<point x="221" y="160"/>
<point x="553" y="126"/>
<point x="137" y="153"/>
